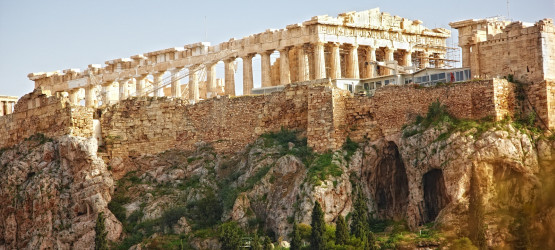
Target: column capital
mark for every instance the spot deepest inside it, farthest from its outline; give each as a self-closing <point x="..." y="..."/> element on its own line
<point x="248" y="56"/>
<point x="229" y="60"/>
<point x="354" y="46"/>
<point x="285" y="49"/>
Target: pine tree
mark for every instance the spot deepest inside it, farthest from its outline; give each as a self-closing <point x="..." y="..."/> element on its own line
<point x="267" y="243"/>
<point x="296" y="238"/>
<point x="230" y="236"/>
<point x="256" y="243"/>
<point x="318" y="227"/>
<point x="341" y="233"/>
<point x="100" y="242"/>
<point x="370" y="242"/>
<point x="359" y="219"/>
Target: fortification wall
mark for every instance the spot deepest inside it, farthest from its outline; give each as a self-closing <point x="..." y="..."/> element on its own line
<point x="393" y="106"/>
<point x="38" y="113"/>
<point x="151" y="125"/>
<point x="327" y="114"/>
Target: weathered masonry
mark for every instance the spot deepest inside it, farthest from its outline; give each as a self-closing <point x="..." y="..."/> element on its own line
<point x="498" y="48"/>
<point x="352" y="45"/>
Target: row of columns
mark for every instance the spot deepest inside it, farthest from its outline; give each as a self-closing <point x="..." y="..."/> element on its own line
<point x="318" y="65"/>
<point x="6" y="107"/>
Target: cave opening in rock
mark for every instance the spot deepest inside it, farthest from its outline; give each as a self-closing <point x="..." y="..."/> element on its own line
<point x="435" y="194"/>
<point x="391" y="183"/>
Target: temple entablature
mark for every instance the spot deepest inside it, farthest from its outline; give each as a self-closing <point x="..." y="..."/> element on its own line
<point x="351" y="45"/>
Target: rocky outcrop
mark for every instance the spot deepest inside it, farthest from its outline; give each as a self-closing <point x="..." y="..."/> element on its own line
<point x="428" y="179"/>
<point x="51" y="191"/>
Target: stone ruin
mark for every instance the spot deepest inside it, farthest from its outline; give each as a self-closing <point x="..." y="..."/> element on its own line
<point x="149" y="118"/>
<point x="348" y="46"/>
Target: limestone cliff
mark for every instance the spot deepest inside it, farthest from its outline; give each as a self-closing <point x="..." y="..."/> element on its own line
<point x="51" y="191"/>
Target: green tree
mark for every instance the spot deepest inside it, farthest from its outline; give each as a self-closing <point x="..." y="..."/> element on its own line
<point x="341" y="232"/>
<point x="359" y="218"/>
<point x="370" y="243"/>
<point x="476" y="212"/>
<point x="296" y="240"/>
<point x="256" y="242"/>
<point x="267" y="243"/>
<point x="318" y="227"/>
<point x="100" y="242"/>
<point x="230" y="236"/>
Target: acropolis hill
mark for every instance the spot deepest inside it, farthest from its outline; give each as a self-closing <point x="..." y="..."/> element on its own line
<point x="365" y="77"/>
<point x="306" y="88"/>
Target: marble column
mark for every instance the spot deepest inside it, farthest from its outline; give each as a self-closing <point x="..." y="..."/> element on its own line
<point x="265" y="65"/>
<point x="123" y="89"/>
<point x="89" y="96"/>
<point x="73" y="97"/>
<point x="8" y="107"/>
<point x="389" y="58"/>
<point x="425" y="62"/>
<point x="302" y="63"/>
<point x="284" y="74"/>
<point x="2" y="108"/>
<point x="211" y="80"/>
<point x="193" y="84"/>
<point x="319" y="61"/>
<point x="407" y="57"/>
<point x="140" y="85"/>
<point x="335" y="61"/>
<point x="369" y="62"/>
<point x="104" y="95"/>
<point x="352" y="62"/>
<point x="156" y="88"/>
<point x="247" y="74"/>
<point x="175" y="83"/>
<point x="229" y="67"/>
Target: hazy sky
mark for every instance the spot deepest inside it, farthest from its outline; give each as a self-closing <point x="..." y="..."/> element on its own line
<point x="55" y="35"/>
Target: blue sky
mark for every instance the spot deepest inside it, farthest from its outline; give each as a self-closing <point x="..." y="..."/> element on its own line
<point x="55" y="35"/>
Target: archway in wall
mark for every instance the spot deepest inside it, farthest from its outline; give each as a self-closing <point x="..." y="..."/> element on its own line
<point x="435" y="194"/>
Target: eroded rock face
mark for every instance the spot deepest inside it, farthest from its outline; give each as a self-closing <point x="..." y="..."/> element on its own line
<point x="51" y="193"/>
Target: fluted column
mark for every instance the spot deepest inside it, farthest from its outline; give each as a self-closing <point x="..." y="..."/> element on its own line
<point x="229" y="76"/>
<point x="175" y="84"/>
<point x="388" y="59"/>
<point x="105" y="94"/>
<point x="89" y="96"/>
<point x="335" y="72"/>
<point x="247" y="74"/>
<point x="123" y="89"/>
<point x="319" y="61"/>
<point x="140" y="85"/>
<point x="425" y="62"/>
<point x="302" y="63"/>
<point x="407" y="57"/>
<point x="73" y="97"/>
<point x="156" y="83"/>
<point x="8" y="107"/>
<point x="265" y="66"/>
<point x="369" y="62"/>
<point x="211" y="80"/>
<point x="284" y="74"/>
<point x="193" y="84"/>
<point x="352" y="62"/>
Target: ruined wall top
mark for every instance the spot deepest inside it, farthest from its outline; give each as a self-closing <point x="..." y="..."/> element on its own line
<point x="369" y="27"/>
<point x="473" y="31"/>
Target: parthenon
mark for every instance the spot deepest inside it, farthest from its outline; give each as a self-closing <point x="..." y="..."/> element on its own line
<point x="352" y="45"/>
<point x="7" y="104"/>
